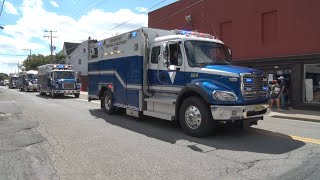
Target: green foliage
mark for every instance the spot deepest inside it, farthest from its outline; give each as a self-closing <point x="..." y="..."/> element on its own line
<point x="39" y="59"/>
<point x="4" y="76"/>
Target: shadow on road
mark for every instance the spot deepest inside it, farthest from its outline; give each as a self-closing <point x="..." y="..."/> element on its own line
<point x="253" y="140"/>
<point x="58" y="97"/>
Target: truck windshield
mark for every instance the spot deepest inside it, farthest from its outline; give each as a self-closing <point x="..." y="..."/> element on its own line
<point x="31" y="76"/>
<point x="15" y="78"/>
<point x="203" y="53"/>
<point x="63" y="75"/>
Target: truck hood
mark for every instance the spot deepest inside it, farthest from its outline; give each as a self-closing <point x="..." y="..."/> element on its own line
<point x="230" y="70"/>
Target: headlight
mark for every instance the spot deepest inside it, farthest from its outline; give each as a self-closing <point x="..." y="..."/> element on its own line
<point x="56" y="86"/>
<point x="78" y="86"/>
<point x="29" y="83"/>
<point x="224" y="96"/>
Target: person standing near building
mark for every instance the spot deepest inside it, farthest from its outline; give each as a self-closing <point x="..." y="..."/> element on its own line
<point x="283" y="92"/>
<point x="274" y="94"/>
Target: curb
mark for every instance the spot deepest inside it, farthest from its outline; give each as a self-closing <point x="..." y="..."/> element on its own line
<point x="296" y="118"/>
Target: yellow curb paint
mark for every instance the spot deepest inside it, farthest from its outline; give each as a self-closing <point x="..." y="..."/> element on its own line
<point x="314" y="141"/>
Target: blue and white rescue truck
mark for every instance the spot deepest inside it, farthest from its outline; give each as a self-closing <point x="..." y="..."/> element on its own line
<point x="57" y="79"/>
<point x="28" y="80"/>
<point x="177" y="76"/>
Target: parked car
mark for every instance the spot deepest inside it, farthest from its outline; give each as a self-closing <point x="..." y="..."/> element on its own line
<point x="2" y="83"/>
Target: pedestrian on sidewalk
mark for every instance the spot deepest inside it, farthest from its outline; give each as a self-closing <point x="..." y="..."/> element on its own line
<point x="274" y="94"/>
<point x="283" y="92"/>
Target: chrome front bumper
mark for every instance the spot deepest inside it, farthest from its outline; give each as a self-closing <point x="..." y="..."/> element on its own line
<point x="66" y="91"/>
<point x="238" y="112"/>
<point x="33" y="86"/>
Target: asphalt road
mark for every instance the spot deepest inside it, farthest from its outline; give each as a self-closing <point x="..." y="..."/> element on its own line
<point x="68" y="138"/>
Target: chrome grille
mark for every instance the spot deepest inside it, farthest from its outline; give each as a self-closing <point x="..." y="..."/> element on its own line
<point x="68" y="86"/>
<point x="255" y="88"/>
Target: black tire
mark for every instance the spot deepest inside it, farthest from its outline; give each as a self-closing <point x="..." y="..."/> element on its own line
<point x="40" y="92"/>
<point x="77" y="95"/>
<point x="196" y="106"/>
<point x="107" y="98"/>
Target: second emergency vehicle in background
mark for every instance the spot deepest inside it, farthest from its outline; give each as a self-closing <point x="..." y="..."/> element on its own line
<point x="57" y="79"/>
<point x="13" y="80"/>
<point x="28" y="80"/>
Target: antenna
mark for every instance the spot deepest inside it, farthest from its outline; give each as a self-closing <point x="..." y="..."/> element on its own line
<point x="215" y="33"/>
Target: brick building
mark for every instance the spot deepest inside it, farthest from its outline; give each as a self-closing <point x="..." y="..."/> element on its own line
<point x="282" y="38"/>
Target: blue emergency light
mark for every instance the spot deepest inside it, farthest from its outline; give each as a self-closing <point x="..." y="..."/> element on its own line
<point x="248" y="80"/>
<point x="134" y="34"/>
<point x="100" y="43"/>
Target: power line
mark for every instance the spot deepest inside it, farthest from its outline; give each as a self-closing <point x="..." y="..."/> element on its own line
<point x="177" y="12"/>
<point x="12" y="55"/>
<point x="133" y="18"/>
<point x="2" y="7"/>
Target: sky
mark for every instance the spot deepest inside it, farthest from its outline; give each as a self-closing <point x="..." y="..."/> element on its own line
<point x="25" y="23"/>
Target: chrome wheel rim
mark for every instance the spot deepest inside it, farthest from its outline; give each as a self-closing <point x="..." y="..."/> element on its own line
<point x="193" y="117"/>
<point x="107" y="102"/>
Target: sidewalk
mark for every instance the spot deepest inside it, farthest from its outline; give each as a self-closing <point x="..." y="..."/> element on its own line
<point x="294" y="114"/>
<point x="84" y="93"/>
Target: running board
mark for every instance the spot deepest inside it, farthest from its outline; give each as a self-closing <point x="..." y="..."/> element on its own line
<point x="159" y="115"/>
<point x="163" y="100"/>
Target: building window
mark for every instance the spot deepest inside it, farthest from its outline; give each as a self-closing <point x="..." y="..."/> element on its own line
<point x="312" y="83"/>
<point x="79" y="61"/>
<point x="269" y="27"/>
<point x="84" y="50"/>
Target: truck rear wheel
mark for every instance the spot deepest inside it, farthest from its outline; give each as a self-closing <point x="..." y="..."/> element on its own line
<point x="195" y="117"/>
<point x="107" y="102"/>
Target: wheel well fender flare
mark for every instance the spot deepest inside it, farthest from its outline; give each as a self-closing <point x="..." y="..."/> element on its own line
<point x="188" y="91"/>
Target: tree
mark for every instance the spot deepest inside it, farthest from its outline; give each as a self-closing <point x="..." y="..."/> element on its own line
<point x="3" y="76"/>
<point x="39" y="59"/>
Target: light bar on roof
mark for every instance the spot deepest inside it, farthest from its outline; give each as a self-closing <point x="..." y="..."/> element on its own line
<point x="193" y="33"/>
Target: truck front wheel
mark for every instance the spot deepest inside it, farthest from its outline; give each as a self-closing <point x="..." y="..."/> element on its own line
<point x="107" y="102"/>
<point x="195" y="117"/>
<point x="77" y="95"/>
<point x="53" y="95"/>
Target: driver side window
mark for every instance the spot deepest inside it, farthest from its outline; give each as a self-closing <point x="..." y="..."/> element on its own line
<point x="175" y="54"/>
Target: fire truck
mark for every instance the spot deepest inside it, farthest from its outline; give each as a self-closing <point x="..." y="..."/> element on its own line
<point x="57" y="79"/>
<point x="28" y="80"/>
<point x="175" y="75"/>
<point x="13" y="80"/>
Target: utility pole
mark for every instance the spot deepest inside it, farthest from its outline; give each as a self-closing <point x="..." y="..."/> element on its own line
<point x="18" y="66"/>
<point x="51" y="47"/>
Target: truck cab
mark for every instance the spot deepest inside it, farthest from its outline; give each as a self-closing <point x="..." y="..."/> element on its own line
<point x="58" y="79"/>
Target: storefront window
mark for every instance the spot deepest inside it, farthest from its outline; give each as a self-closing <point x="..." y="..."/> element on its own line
<point x="312" y="83"/>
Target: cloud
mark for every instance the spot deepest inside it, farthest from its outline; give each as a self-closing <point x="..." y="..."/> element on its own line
<point x="141" y="9"/>
<point x="54" y="4"/>
<point x="10" y="9"/>
<point x="28" y="31"/>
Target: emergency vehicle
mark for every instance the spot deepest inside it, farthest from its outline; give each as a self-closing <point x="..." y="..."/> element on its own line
<point x="175" y="75"/>
<point x="57" y="79"/>
<point x="28" y="80"/>
<point x="13" y="80"/>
